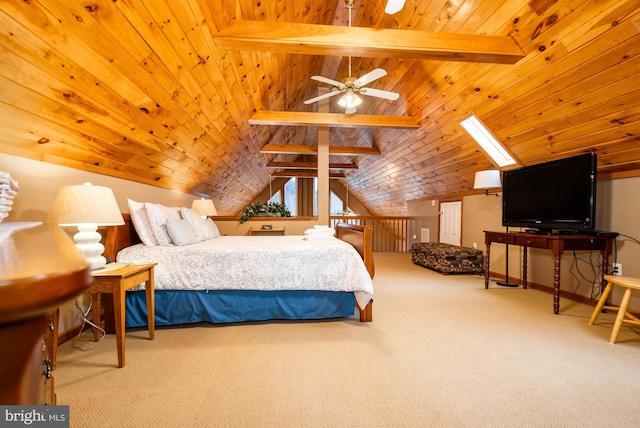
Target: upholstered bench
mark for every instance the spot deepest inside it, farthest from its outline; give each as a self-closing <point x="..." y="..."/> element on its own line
<point x="446" y="258"/>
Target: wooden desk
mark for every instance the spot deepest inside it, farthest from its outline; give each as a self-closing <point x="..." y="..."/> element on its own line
<point x="116" y="282"/>
<point x="557" y="244"/>
<point x="40" y="269"/>
<point x="276" y="231"/>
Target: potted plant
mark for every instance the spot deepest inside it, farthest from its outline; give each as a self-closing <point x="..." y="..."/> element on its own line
<point x="260" y="209"/>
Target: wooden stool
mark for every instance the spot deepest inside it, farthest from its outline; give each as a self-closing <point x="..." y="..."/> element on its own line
<point x="629" y="284"/>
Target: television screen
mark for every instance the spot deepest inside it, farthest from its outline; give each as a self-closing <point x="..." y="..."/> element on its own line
<point x="553" y="196"/>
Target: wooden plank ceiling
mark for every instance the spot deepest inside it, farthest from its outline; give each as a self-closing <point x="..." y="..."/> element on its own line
<point x="150" y="91"/>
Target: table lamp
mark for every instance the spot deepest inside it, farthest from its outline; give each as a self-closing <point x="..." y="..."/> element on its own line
<point x="204" y="207"/>
<point x="87" y="207"/>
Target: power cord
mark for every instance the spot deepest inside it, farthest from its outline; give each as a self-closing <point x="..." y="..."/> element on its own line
<point x="85" y="321"/>
<point x="591" y="277"/>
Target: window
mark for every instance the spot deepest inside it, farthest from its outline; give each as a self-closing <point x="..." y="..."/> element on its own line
<point x="336" y="204"/>
<point x="315" y="197"/>
<point x="291" y="196"/>
<point x="275" y="198"/>
<point x="490" y="144"/>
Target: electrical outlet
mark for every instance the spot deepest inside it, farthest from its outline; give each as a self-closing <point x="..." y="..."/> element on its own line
<point x="475" y="245"/>
<point x="617" y="269"/>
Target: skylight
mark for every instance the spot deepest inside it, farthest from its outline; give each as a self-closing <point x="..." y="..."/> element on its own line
<point x="491" y="146"/>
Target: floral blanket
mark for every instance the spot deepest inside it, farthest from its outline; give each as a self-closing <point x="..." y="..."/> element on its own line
<point x="257" y="263"/>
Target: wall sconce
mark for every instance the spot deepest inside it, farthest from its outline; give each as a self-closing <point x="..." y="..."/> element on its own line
<point x="204" y="207"/>
<point x="488" y="179"/>
<point x="87" y="207"/>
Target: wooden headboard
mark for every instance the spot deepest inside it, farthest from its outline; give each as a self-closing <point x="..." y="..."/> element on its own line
<point x="119" y="237"/>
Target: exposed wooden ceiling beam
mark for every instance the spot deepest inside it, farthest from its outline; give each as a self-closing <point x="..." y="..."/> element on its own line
<point x="309" y="165"/>
<point x="304" y="174"/>
<point x="313" y="39"/>
<point x="334" y="120"/>
<point x="333" y="150"/>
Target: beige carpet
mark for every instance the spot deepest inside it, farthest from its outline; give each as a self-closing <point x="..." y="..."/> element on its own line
<point x="441" y="352"/>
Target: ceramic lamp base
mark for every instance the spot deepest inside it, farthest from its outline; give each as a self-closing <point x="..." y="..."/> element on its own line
<point x="88" y="242"/>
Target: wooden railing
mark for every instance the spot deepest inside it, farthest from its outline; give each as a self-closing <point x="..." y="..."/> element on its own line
<point x="390" y="234"/>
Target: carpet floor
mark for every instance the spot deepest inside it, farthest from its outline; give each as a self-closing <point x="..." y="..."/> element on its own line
<point x="442" y="351"/>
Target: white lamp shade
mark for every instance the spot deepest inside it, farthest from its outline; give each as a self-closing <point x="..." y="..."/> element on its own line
<point x="85" y="204"/>
<point x="204" y="207"/>
<point x="489" y="179"/>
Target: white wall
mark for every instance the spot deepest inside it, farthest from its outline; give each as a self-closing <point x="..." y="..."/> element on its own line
<point x="39" y="184"/>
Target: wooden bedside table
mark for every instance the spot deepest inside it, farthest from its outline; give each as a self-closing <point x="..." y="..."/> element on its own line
<point x="116" y="282"/>
<point x="276" y="231"/>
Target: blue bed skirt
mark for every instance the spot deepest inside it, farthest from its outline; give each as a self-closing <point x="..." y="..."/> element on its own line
<point x="174" y="307"/>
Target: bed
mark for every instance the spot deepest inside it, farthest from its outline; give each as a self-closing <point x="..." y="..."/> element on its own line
<point x="336" y="273"/>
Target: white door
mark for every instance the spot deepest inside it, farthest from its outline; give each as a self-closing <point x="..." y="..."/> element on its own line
<point x="450" y="222"/>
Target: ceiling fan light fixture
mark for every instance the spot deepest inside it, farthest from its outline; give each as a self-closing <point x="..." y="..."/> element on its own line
<point x="350" y="100"/>
<point x="394" y="6"/>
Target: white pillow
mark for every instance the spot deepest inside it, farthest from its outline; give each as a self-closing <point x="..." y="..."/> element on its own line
<point x="181" y="232"/>
<point x="173" y="213"/>
<point x="212" y="227"/>
<point x="141" y="223"/>
<point x="204" y="228"/>
<point x="195" y="221"/>
<point x="158" y="218"/>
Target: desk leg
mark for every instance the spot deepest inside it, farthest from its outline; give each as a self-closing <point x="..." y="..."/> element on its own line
<point x="605" y="270"/>
<point x="119" y="316"/>
<point x="556" y="284"/>
<point x="150" y="292"/>
<point x="486" y="267"/>
<point x="524" y="268"/>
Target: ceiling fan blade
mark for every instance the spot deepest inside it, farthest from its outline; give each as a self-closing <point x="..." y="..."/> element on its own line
<point x="322" y="97"/>
<point x="369" y="77"/>
<point x="394" y="6"/>
<point x="328" y="81"/>
<point x="379" y="93"/>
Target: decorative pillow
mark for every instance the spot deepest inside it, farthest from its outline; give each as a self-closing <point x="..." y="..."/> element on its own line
<point x="181" y="232"/>
<point x="158" y="218"/>
<point x="194" y="220"/>
<point x="212" y="228"/>
<point x="173" y="213"/>
<point x="204" y="229"/>
<point x="141" y="223"/>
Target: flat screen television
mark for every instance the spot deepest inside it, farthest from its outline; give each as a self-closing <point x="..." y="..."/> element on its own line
<point x="552" y="197"/>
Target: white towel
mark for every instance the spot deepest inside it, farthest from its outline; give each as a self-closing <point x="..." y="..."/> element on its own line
<point x="319" y="232"/>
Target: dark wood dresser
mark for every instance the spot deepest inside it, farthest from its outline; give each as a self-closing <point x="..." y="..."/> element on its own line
<point x="40" y="268"/>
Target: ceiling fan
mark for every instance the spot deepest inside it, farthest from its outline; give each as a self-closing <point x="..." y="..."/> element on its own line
<point x="350" y="87"/>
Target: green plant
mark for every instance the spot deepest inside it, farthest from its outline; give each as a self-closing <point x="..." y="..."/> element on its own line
<point x="257" y="209"/>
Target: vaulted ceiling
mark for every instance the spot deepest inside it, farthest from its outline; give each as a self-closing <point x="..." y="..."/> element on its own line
<point x="160" y="91"/>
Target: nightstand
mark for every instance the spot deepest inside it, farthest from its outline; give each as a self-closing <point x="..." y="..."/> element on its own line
<point x="276" y="231"/>
<point x="116" y="282"/>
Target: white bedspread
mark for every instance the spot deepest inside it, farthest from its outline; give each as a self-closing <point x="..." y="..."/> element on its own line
<point x="257" y="263"/>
